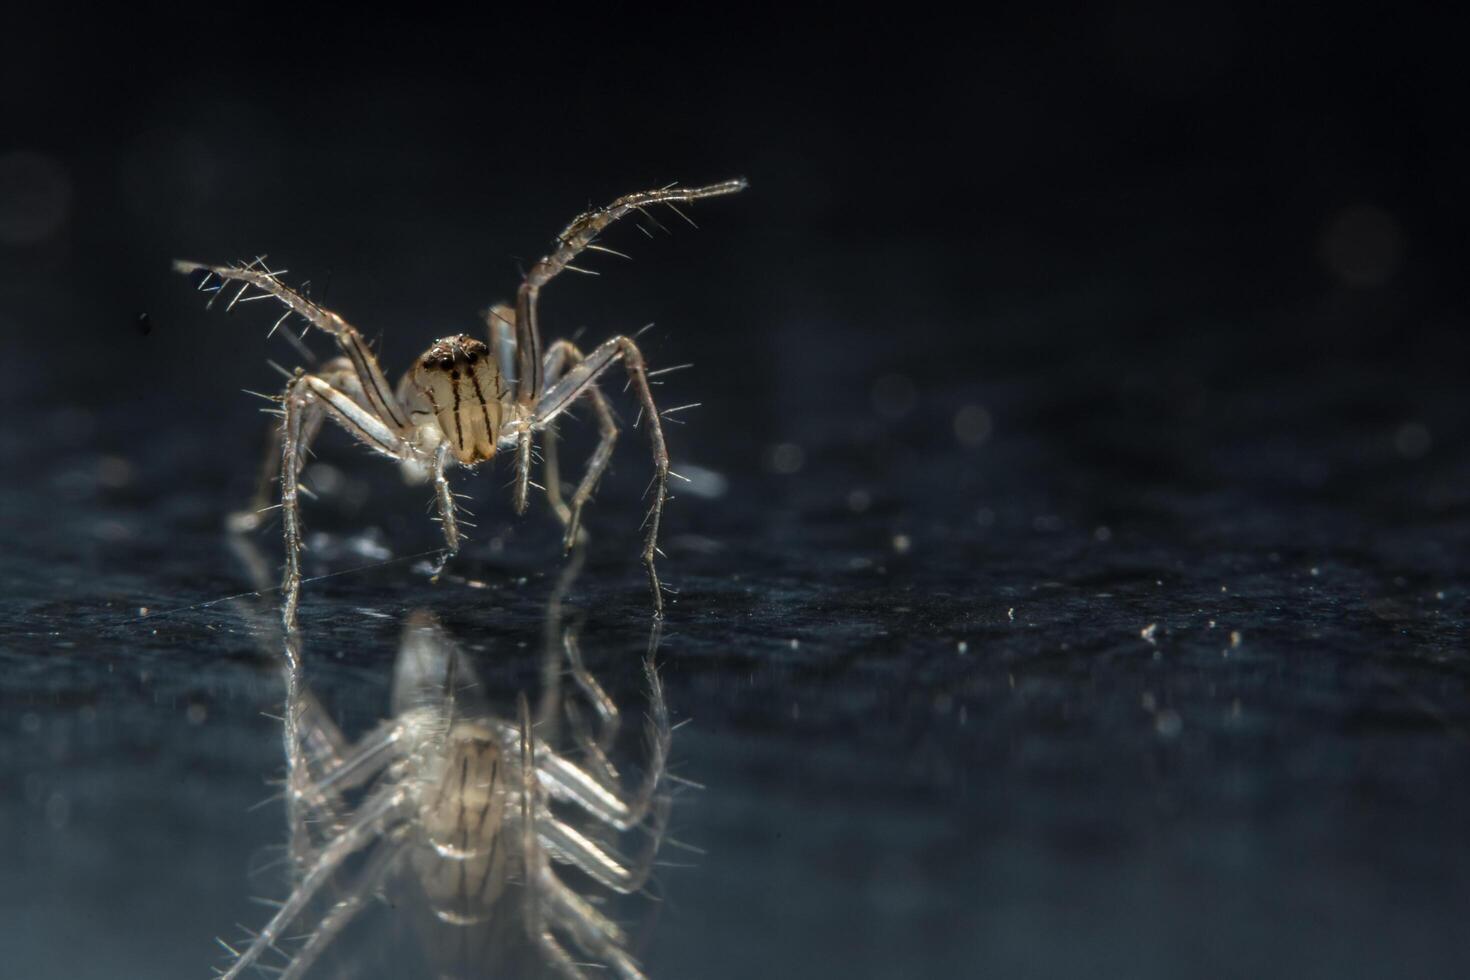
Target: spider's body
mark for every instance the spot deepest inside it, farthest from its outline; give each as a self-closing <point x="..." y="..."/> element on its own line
<point x="456" y="395"/>
<point x="463" y="400"/>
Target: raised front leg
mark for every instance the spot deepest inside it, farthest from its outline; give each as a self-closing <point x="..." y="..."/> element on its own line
<point x="376" y="391"/>
<point x="579" y="235"/>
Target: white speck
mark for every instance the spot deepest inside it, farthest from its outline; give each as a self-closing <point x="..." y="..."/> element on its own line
<point x="1235" y="638"/>
<point x="1148" y="632"/>
<point x="902" y="543"/>
<point x="962" y="647"/>
<point x="1439" y="595"/>
<point x="795" y="644"/>
<point x="1011" y="614"/>
<point x="1212" y="624"/>
<point x="1316" y="571"/>
<point x="142" y="610"/>
<point x="1224" y="588"/>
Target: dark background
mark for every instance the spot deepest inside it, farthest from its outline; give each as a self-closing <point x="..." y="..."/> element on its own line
<point x="1031" y="333"/>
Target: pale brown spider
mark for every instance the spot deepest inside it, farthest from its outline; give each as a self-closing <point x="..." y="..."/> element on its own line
<point x="461" y="403"/>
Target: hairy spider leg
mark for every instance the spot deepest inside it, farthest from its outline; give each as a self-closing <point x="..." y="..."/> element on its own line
<point x="303" y="393"/>
<point x="338" y="373"/>
<point x="376" y="390"/>
<point x="559" y="357"/>
<point x="581" y="234"/>
<point x="574" y="384"/>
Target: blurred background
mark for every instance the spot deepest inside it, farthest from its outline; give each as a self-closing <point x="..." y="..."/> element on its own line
<point x="1075" y="574"/>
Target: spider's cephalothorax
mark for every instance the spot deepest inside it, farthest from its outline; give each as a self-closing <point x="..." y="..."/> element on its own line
<point x="455" y="394"/>
<point x="464" y="400"/>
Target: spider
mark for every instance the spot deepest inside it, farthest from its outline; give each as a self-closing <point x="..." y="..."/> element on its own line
<point x="463" y="402"/>
<point x="467" y="814"/>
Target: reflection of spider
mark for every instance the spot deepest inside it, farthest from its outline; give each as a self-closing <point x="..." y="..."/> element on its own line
<point x="472" y="810"/>
<point x="461" y="403"/>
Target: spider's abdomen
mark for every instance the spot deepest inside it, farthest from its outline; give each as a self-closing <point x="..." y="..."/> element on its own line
<point x="458" y="382"/>
<point x="461" y="858"/>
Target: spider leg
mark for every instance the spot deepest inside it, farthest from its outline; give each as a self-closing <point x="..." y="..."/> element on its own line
<point x="612" y="804"/>
<point x="379" y="396"/>
<point x="338" y="373"/>
<point x="564" y="354"/>
<point x="549" y="904"/>
<point x="574" y="384"/>
<point x="608" y="868"/>
<point x="500" y="321"/>
<point x="374" y="811"/>
<point x="593" y="932"/>
<point x="304" y="392"/>
<point x="379" y="866"/>
<point x="448" y="518"/>
<point x="579" y="235"/>
<point x="547" y="716"/>
<point x="594" y="747"/>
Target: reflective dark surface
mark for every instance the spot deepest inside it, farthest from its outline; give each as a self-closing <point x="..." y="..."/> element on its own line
<point x="1074" y="578"/>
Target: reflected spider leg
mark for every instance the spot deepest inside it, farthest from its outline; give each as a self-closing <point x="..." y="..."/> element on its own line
<point x="365" y="827"/>
<point x="380" y="866"/>
<point x="550" y="905"/>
